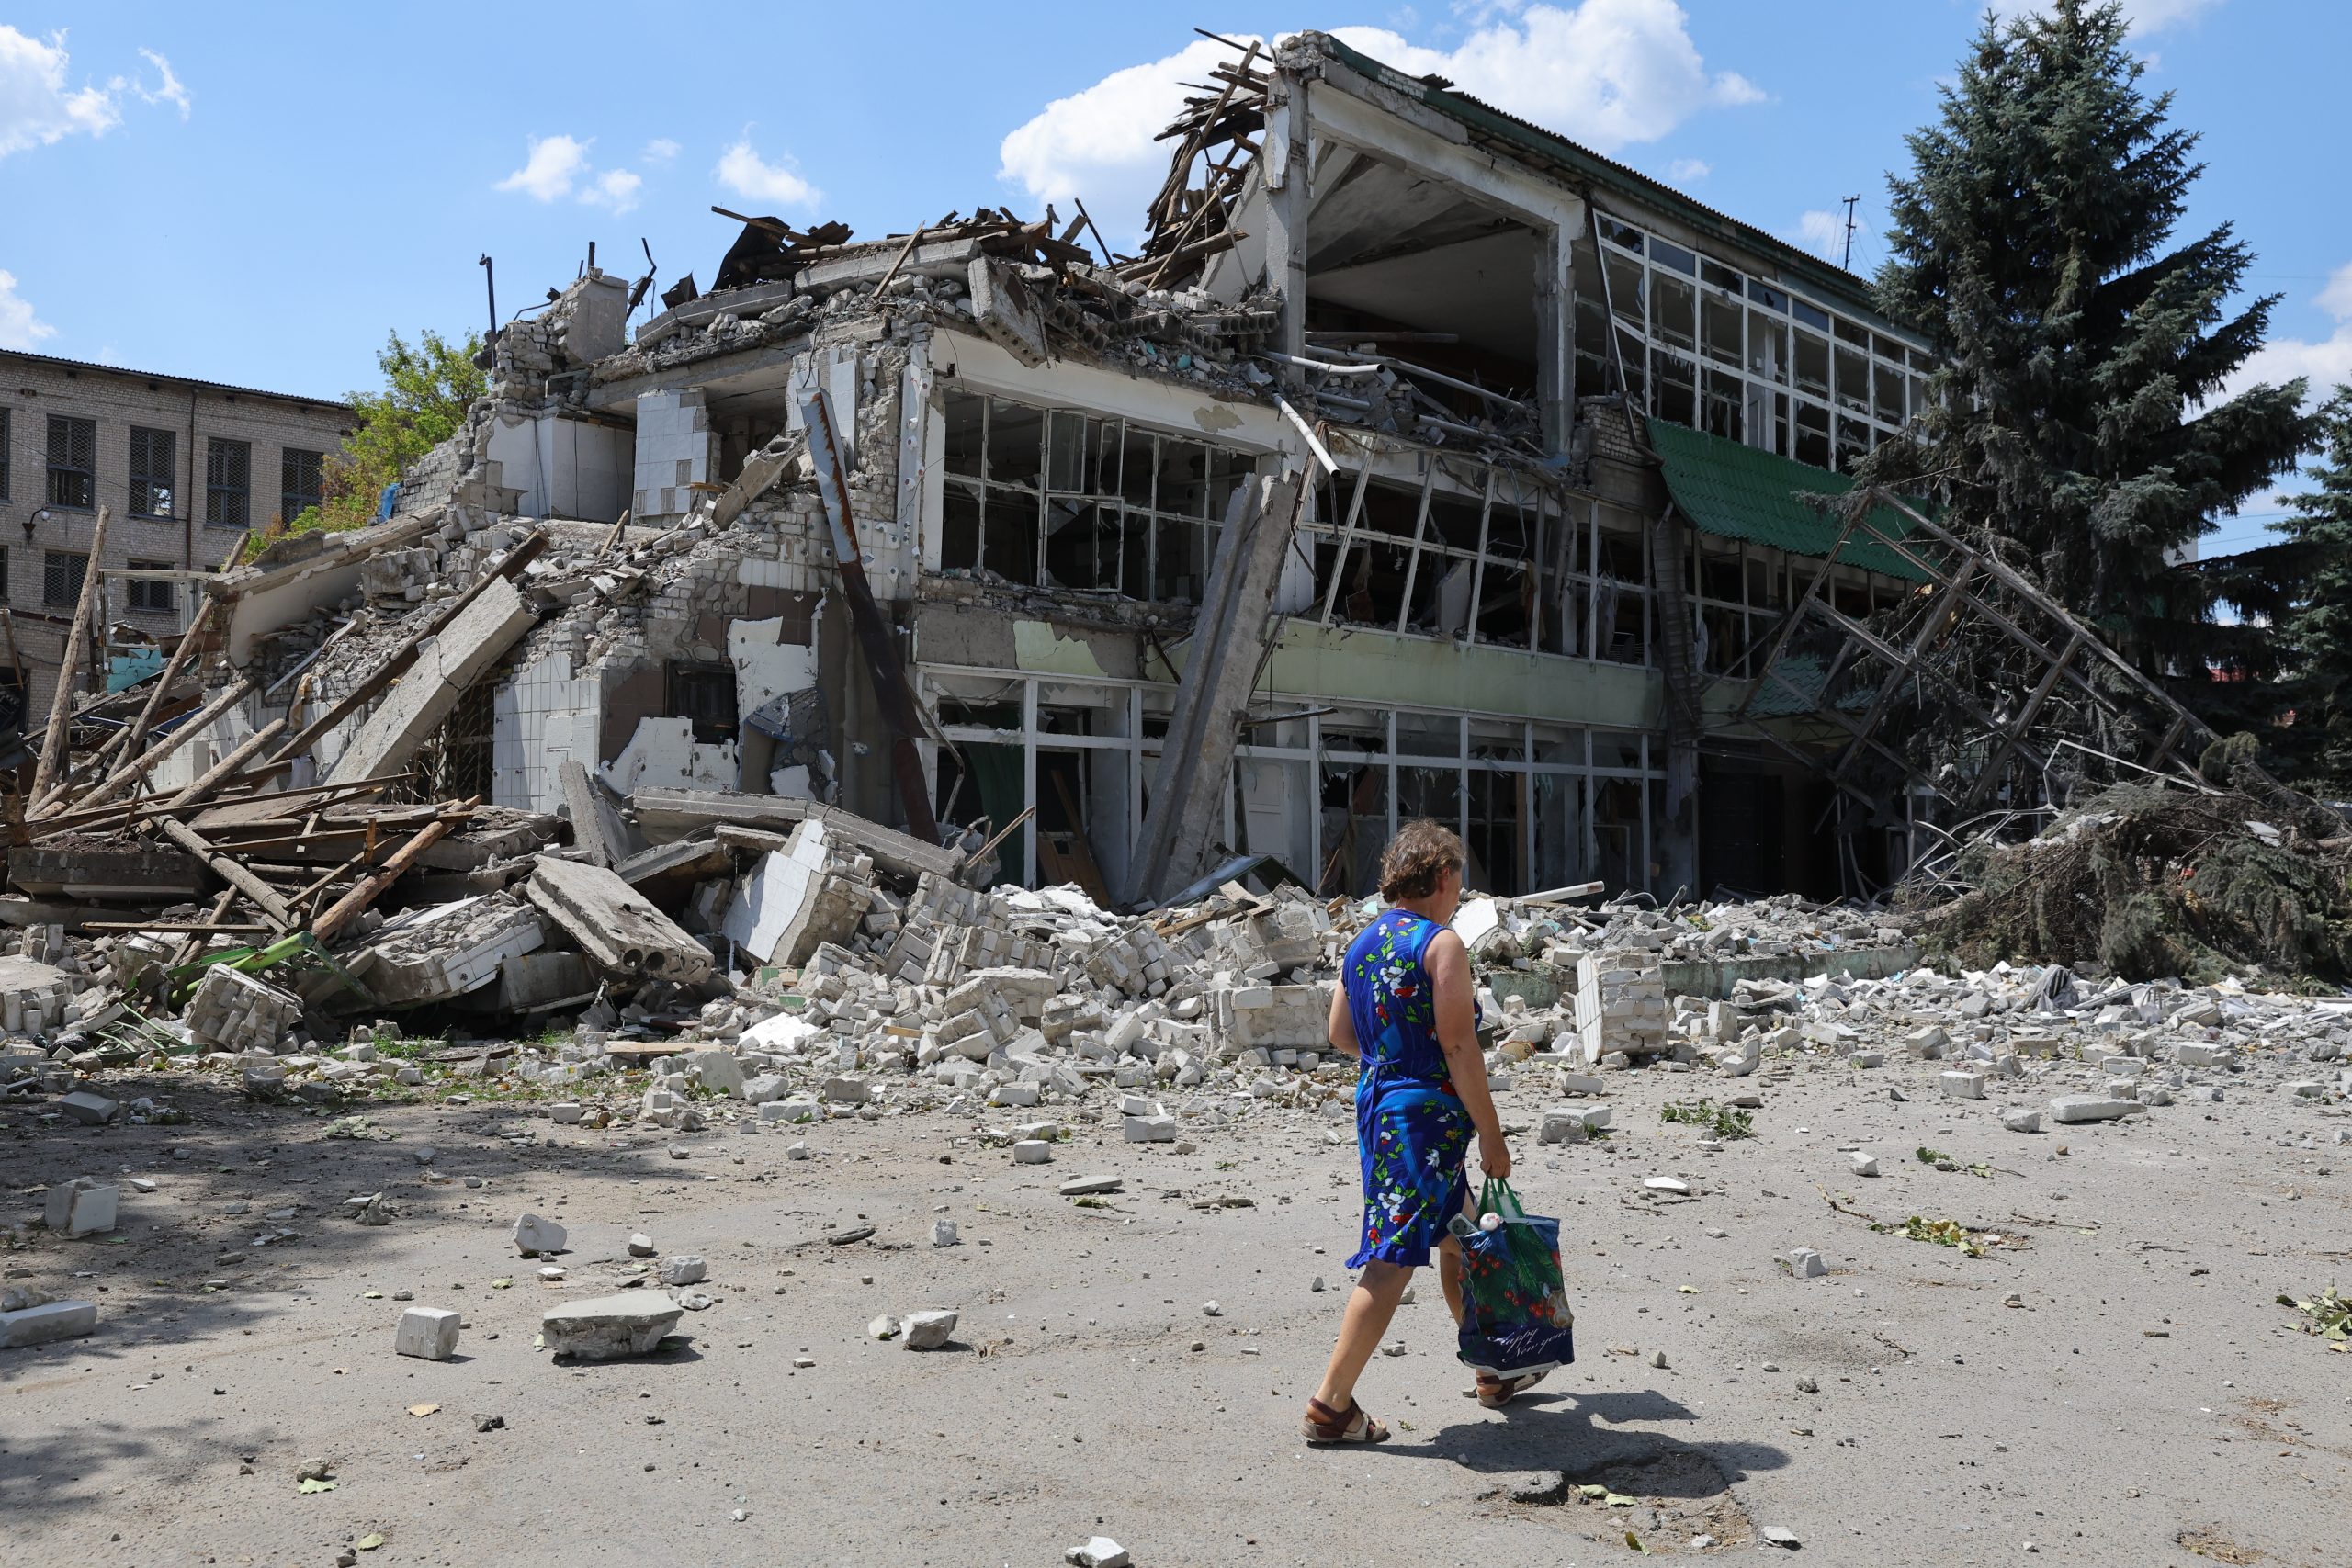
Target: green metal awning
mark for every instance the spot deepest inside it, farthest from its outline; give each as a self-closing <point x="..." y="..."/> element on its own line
<point x="1738" y="492"/>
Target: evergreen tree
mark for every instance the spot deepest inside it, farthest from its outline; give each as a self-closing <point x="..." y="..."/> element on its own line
<point x="2297" y="595"/>
<point x="2077" y="414"/>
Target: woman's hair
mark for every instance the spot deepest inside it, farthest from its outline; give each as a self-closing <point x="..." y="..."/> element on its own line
<point x="1419" y="854"/>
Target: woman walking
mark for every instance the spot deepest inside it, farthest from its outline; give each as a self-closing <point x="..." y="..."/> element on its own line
<point x="1405" y="1009"/>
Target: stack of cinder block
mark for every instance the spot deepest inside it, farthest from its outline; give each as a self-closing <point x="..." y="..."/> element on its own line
<point x="1620" y="1006"/>
<point x="1134" y="963"/>
<point x="232" y="1010"/>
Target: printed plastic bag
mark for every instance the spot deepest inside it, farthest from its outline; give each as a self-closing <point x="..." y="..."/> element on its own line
<point x="1518" y="1320"/>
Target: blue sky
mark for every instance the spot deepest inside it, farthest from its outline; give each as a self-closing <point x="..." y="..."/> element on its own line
<point x="258" y="194"/>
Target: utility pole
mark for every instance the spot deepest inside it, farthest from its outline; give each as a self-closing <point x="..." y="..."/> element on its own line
<point x="1849" y="263"/>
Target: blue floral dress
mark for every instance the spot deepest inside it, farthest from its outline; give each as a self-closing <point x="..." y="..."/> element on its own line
<point x="1409" y="1122"/>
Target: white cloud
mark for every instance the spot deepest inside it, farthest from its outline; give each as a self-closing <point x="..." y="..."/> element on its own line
<point x="1098" y="143"/>
<point x="20" y="328"/>
<point x="1607" y="72"/>
<point x="558" y="167"/>
<point x="168" y="91"/>
<point x="616" y="189"/>
<point x="2325" y="361"/>
<point x="660" y="150"/>
<point x="1682" y="171"/>
<point x="36" y="106"/>
<point x="744" y="172"/>
<point x="548" y="173"/>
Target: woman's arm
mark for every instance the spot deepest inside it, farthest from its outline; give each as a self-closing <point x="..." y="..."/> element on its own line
<point x="1341" y="1029"/>
<point x="1447" y="962"/>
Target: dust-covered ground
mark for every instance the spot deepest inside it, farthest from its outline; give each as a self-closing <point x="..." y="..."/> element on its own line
<point x="2111" y="1381"/>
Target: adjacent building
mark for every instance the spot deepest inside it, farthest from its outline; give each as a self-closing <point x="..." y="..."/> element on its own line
<point x="186" y="469"/>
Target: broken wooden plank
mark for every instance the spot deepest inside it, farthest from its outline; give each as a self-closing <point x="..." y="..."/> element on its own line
<point x="265" y="897"/>
<point x="131" y="772"/>
<point x="77" y="640"/>
<point x="347" y="907"/>
<point x="226" y="768"/>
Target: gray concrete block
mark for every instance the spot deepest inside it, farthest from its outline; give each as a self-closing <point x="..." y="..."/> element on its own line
<point x="82" y="1206"/>
<point x="50" y="1321"/>
<point x="628" y="1324"/>
<point x="430" y="1333"/>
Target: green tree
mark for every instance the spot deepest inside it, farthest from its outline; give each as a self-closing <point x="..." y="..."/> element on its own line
<point x="2297" y="595"/>
<point x="426" y="390"/>
<point x="2080" y="414"/>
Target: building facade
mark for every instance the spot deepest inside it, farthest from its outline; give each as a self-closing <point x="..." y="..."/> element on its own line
<point x="1539" y="429"/>
<point x="185" y="469"/>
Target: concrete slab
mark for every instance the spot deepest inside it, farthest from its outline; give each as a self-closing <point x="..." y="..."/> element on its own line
<point x="420" y="701"/>
<point x="614" y="924"/>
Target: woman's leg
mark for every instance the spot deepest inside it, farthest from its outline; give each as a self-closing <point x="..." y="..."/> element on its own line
<point x="1370" y="1306"/>
<point x="1449" y="1276"/>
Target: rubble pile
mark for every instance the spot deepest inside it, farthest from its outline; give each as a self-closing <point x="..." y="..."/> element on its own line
<point x="2152" y="882"/>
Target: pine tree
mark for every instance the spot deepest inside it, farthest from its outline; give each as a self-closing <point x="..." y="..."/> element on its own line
<point x="2078" y="416"/>
<point x="2297" y="595"/>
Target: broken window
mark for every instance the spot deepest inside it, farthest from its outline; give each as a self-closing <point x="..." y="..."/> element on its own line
<point x="152" y="594"/>
<point x="1065" y="498"/>
<point x="61" y="577"/>
<point x="228" y="483"/>
<point x="1712" y="354"/>
<point x="152" y="468"/>
<point x="704" y="695"/>
<point x="73" y="461"/>
<point x="302" y="479"/>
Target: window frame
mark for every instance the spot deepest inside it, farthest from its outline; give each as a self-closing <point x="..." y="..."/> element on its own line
<point x="293" y="503"/>
<point x="150" y="595"/>
<point x="219" y="492"/>
<point x="1740" y="389"/>
<point x="86" y="471"/>
<point x="144" y="482"/>
<point x="67" y="581"/>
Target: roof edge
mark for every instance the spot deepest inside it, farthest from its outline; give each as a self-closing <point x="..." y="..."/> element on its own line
<point x="134" y="372"/>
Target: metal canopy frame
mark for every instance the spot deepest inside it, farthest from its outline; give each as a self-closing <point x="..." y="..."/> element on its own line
<point x="1966" y="586"/>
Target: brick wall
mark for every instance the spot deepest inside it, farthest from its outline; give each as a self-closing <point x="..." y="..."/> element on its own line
<point x="33" y="388"/>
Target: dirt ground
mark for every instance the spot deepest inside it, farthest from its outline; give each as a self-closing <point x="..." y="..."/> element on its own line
<point x="2143" y="1400"/>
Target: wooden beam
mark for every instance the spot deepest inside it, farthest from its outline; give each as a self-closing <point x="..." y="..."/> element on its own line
<point x="347" y="907"/>
<point x="265" y="897"/>
<point x="77" y="640"/>
<point x="130" y="776"/>
<point x="226" y="768"/>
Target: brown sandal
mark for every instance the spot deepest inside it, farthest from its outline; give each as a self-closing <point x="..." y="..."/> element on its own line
<point x="1494" y="1392"/>
<point x="1326" y="1428"/>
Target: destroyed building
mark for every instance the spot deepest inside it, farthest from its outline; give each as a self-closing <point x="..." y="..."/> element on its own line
<point x="1378" y="334"/>
<point x="1422" y="463"/>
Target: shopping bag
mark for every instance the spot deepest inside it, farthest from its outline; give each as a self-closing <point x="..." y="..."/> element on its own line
<point x="1517" y="1320"/>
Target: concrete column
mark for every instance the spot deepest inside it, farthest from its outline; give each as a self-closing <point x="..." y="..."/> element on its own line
<point x="1221" y="660"/>
<point x="1556" y="331"/>
<point x="1288" y="195"/>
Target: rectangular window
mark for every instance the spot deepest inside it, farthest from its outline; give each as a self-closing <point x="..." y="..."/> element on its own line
<point x="3" y="454"/>
<point x="706" y="696"/>
<point x="61" y="577"/>
<point x="73" y="461"/>
<point x="300" y="481"/>
<point x="148" y="593"/>
<point x="152" y="464"/>
<point x="229" y="483"/>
